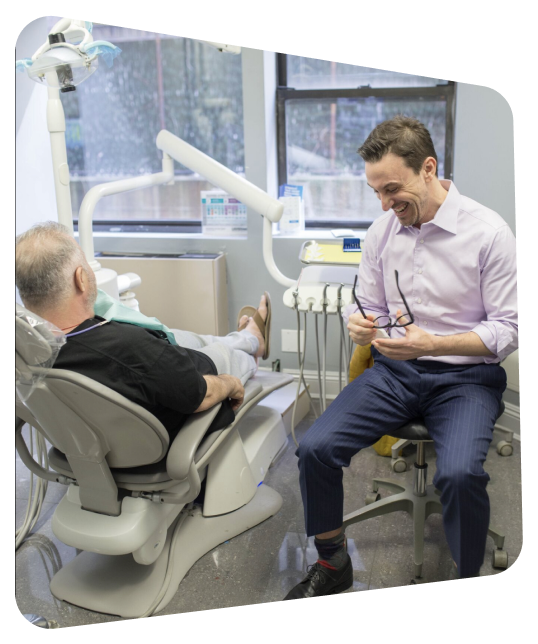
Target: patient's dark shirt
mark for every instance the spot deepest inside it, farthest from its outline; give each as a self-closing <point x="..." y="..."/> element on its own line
<point x="144" y="367"/>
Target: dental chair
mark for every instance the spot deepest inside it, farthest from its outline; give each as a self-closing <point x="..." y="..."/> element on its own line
<point x="130" y="490"/>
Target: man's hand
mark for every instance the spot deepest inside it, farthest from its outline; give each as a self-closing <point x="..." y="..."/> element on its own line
<point x="415" y="344"/>
<point x="418" y="343"/>
<point x="361" y="330"/>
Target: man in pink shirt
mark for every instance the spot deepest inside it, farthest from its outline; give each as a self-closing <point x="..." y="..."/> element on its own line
<point x="438" y="272"/>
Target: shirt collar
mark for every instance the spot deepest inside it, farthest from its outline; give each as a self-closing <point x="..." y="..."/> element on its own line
<point x="447" y="215"/>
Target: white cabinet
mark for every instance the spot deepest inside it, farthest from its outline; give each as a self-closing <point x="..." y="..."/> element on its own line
<point x="185" y="292"/>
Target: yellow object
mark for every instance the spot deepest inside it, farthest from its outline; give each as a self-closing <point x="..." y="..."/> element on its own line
<point x="332" y="253"/>
<point x="360" y="361"/>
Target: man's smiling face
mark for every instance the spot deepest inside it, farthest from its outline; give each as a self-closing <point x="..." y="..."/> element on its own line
<point x="400" y="189"/>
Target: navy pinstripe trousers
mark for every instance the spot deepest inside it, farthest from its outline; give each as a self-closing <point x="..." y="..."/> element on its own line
<point x="459" y="404"/>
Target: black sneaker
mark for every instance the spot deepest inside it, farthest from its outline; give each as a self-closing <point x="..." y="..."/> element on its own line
<point x="321" y="581"/>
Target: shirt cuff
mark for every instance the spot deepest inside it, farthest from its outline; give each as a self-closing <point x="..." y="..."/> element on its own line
<point x="498" y="339"/>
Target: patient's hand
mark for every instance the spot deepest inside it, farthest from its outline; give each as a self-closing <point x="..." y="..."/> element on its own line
<point x="220" y="388"/>
<point x="237" y="394"/>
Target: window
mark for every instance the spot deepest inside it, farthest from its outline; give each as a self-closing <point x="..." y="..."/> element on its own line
<point x="325" y="110"/>
<point x="112" y="120"/>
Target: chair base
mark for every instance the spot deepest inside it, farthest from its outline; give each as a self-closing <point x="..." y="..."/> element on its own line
<point x="419" y="507"/>
<point x="117" y="585"/>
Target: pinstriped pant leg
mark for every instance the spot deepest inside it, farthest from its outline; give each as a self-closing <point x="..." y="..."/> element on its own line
<point x="461" y="421"/>
<point x="369" y="407"/>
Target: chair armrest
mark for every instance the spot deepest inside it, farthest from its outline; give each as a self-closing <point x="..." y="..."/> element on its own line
<point x="182" y="451"/>
<point x="251" y="389"/>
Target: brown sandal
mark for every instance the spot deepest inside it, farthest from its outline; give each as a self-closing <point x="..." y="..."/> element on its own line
<point x="249" y="312"/>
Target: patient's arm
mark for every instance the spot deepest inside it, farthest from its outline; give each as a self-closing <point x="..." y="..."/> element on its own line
<point x="219" y="388"/>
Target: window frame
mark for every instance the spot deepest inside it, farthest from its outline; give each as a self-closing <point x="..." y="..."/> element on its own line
<point x="285" y="93"/>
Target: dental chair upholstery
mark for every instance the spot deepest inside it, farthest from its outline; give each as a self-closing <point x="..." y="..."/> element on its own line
<point x="129" y="497"/>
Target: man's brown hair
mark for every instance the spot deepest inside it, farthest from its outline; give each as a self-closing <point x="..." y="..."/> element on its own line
<point x="405" y="137"/>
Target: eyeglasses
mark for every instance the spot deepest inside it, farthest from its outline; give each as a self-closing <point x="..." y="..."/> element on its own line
<point x="384" y="320"/>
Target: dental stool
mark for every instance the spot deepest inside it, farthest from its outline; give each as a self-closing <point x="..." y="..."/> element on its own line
<point x="420" y="501"/>
<point x="130" y="490"/>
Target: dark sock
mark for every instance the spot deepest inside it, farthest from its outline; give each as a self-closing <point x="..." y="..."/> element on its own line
<point x="332" y="552"/>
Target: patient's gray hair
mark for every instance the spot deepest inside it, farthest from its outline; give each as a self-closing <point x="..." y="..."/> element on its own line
<point x="46" y="257"/>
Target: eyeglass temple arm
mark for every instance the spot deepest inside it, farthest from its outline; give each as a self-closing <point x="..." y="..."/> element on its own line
<point x="357" y="299"/>
<point x="409" y="312"/>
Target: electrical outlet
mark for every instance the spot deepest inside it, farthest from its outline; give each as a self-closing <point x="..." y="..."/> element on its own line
<point x="289" y="340"/>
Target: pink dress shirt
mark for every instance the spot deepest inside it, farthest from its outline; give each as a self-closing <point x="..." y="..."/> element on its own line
<point x="458" y="274"/>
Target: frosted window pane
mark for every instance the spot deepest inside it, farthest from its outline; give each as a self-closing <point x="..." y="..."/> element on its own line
<point x="323" y="136"/>
<point x="158" y="82"/>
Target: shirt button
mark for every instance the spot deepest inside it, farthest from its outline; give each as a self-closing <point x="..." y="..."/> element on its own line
<point x="426" y="323"/>
<point x="420" y="271"/>
<point x="421" y="241"/>
<point x="418" y="300"/>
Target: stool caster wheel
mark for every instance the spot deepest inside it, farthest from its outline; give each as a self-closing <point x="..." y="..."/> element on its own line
<point x="500" y="559"/>
<point x="399" y="465"/>
<point x="372" y="497"/>
<point x="504" y="448"/>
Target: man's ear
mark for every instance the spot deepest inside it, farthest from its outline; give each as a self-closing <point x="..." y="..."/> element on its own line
<point x="80" y="279"/>
<point x="429" y="167"/>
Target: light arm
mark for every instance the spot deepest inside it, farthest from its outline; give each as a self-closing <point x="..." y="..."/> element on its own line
<point x="246" y="192"/>
<point x="184" y="153"/>
<point x="219" y="175"/>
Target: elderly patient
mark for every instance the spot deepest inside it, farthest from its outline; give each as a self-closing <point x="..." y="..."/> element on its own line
<point x="56" y="282"/>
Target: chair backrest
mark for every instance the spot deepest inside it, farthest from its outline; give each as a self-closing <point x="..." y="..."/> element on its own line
<point x="95" y="427"/>
<point x="32" y="348"/>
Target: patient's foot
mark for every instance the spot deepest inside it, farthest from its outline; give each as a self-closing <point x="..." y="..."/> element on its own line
<point x="243" y="322"/>
<point x="253" y="328"/>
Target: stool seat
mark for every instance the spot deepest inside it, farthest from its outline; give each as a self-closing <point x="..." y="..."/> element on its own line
<point x="413" y="431"/>
<point x="416" y="429"/>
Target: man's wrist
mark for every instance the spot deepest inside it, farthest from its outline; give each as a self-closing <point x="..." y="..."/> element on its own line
<point x="460" y="344"/>
<point x="439" y="346"/>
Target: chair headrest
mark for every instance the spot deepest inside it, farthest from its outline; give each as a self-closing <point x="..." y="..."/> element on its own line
<point x="37" y="344"/>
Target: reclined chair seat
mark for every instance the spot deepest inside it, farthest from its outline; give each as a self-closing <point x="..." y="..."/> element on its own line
<point x="155" y="476"/>
<point x="129" y="488"/>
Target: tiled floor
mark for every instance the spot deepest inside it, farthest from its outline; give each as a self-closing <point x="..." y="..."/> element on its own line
<point x="261" y="565"/>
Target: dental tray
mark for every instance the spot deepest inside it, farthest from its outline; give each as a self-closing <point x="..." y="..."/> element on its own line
<point x="329" y="252"/>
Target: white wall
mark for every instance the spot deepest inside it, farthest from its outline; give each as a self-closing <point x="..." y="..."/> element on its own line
<point x="484" y="149"/>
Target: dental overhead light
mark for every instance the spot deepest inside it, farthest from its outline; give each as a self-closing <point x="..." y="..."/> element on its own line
<point x="63" y="65"/>
<point x="66" y="59"/>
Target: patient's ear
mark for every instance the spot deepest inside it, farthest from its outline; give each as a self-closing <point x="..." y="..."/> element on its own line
<point x="80" y="279"/>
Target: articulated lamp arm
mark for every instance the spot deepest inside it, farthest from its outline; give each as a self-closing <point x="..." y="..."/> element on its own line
<point x="175" y="148"/>
<point x="246" y="192"/>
